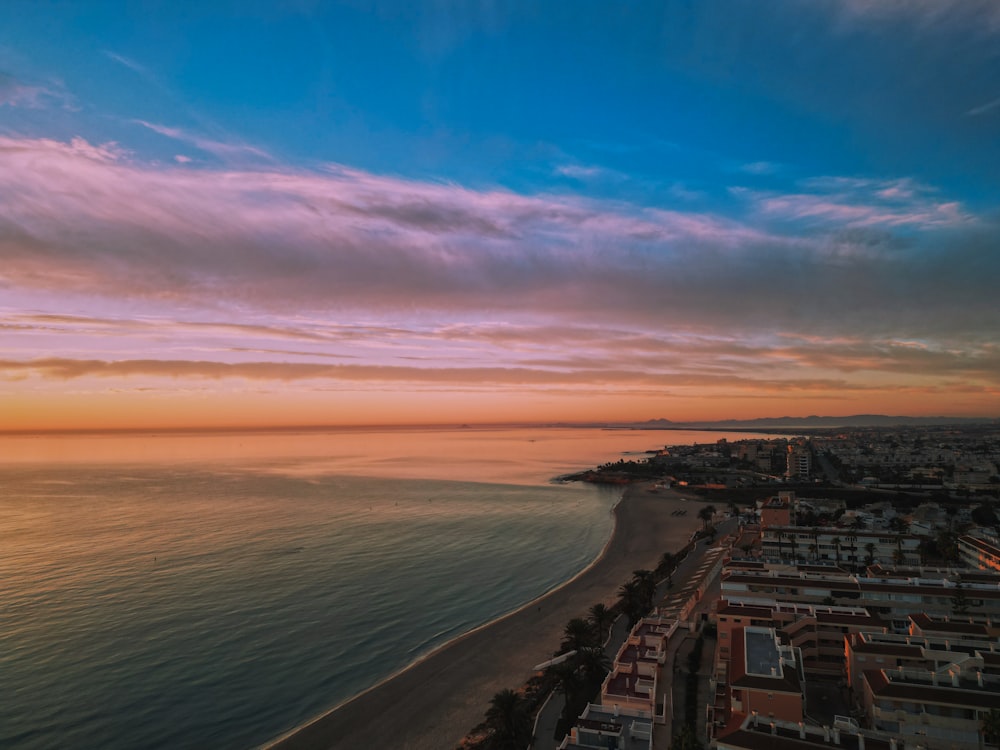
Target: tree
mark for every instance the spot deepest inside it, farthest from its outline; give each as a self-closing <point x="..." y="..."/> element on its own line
<point x="687" y="739"/>
<point x="959" y="601"/>
<point x="989" y="722"/>
<point x="601" y="618"/>
<point x="781" y="535"/>
<point x="947" y="546"/>
<point x="870" y="557"/>
<point x="594" y="665"/>
<point x="509" y="721"/>
<point x="578" y="634"/>
<point x="853" y="546"/>
<point x="705" y="515"/>
<point x="631" y="600"/>
<point x="836" y="550"/>
<point x="668" y="561"/>
<point x="646" y="582"/>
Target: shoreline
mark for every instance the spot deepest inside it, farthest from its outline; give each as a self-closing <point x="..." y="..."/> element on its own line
<point x="435" y="701"/>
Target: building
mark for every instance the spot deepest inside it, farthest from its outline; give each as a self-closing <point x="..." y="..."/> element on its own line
<point x="799" y="462"/>
<point x="603" y="727"/>
<point x="979" y="553"/>
<point x="938" y="710"/>
<point x="763" y="676"/>
<point x="891" y="598"/>
<point x="757" y="733"/>
<point x="815" y="631"/>
<point x="777" y="511"/>
<point x="634" y="681"/>
<point x="851" y="547"/>
<point x="875" y="650"/>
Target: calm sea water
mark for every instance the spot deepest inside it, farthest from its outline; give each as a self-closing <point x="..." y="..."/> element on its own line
<point x="189" y="591"/>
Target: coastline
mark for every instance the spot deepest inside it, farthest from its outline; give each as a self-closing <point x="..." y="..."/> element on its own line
<point x="436" y="700"/>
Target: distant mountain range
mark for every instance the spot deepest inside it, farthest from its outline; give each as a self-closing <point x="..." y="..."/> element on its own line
<point x="855" y="420"/>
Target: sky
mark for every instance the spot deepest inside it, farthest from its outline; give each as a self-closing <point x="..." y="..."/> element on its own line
<point x="255" y="213"/>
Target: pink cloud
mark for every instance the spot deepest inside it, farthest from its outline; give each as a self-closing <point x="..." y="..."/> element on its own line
<point x="373" y="266"/>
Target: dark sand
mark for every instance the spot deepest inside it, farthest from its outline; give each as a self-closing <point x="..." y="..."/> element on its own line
<point x="433" y="704"/>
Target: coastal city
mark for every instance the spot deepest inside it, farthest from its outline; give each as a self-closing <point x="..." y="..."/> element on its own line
<point x="842" y="589"/>
<point x="499" y="375"/>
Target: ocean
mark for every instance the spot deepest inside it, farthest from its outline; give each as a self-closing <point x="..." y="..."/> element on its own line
<point x="217" y="590"/>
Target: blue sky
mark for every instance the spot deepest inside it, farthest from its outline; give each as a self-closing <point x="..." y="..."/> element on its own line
<point x="713" y="174"/>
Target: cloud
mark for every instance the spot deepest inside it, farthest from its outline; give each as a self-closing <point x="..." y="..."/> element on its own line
<point x="128" y="62"/>
<point x="760" y="167"/>
<point x="226" y="151"/>
<point x="89" y="221"/>
<point x="982" y="109"/>
<point x="15" y="93"/>
<point x="851" y="202"/>
<point x="482" y="377"/>
<point x="982" y="16"/>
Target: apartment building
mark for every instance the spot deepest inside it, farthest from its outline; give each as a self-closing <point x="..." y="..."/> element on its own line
<point x="603" y="727"/>
<point x="758" y="733"/>
<point x="815" y="631"/>
<point x="980" y="553"/>
<point x="937" y="710"/>
<point x="634" y="681"/>
<point x="853" y="548"/>
<point x="889" y="598"/>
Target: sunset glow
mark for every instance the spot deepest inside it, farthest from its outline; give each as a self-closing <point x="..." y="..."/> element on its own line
<point x="450" y="213"/>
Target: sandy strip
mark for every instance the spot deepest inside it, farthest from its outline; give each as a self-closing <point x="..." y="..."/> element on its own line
<point x="433" y="703"/>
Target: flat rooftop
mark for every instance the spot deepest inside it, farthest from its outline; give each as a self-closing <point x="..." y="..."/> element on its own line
<point x="762" y="654"/>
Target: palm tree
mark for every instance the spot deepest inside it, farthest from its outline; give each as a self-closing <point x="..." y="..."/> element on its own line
<point x="990" y="725"/>
<point x="601" y="618"/>
<point x="870" y="557"/>
<point x="781" y="535"/>
<point x="631" y="600"/>
<point x="647" y="587"/>
<point x="854" y="551"/>
<point x="814" y="551"/>
<point x="706" y="514"/>
<point x="594" y="665"/>
<point x="795" y="554"/>
<point x="668" y="561"/>
<point x="959" y="601"/>
<point x="567" y="679"/>
<point x="836" y="550"/>
<point x="509" y="721"/>
<point x="578" y="634"/>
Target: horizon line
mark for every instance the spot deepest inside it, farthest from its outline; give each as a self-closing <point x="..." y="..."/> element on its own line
<point x="653" y="423"/>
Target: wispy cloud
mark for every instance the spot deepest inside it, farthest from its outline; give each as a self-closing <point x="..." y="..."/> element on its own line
<point x="17" y="93"/>
<point x="981" y="16"/>
<point x="223" y="150"/>
<point x="851" y="202"/>
<point x="128" y="62"/>
<point x="760" y="167"/>
<point x="982" y="109"/>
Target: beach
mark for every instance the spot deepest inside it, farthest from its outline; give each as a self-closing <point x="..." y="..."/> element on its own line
<point x="432" y="704"/>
